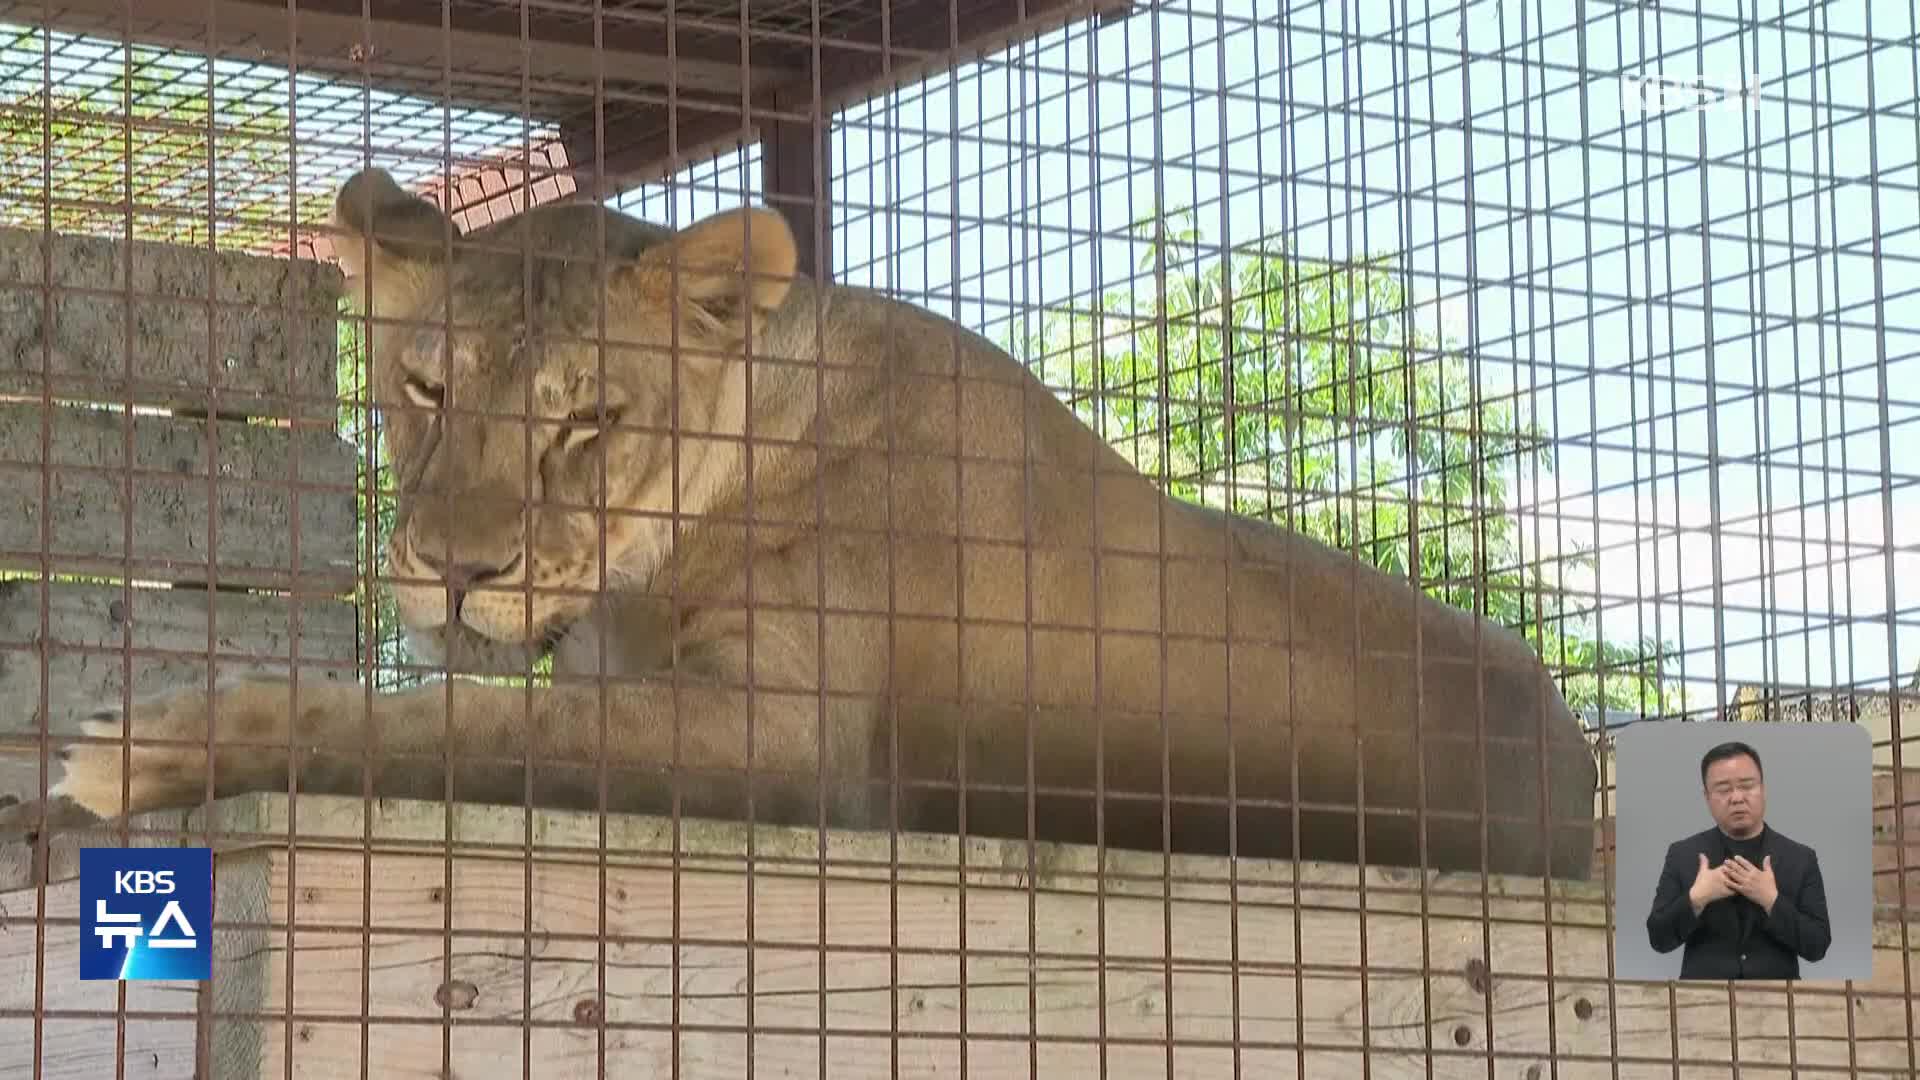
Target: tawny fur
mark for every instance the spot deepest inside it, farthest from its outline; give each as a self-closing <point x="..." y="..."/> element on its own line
<point x="951" y="577"/>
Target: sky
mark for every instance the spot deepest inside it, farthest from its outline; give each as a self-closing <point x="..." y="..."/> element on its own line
<point x="1738" y="449"/>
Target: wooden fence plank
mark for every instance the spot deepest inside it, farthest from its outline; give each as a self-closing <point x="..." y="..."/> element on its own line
<point x="525" y="948"/>
<point x="261" y="471"/>
<point x="90" y="627"/>
<point x="1895" y="819"/>
<point x="77" y="1046"/>
<point x="267" y="341"/>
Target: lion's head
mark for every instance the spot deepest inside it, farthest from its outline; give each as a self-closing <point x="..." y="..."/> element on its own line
<point x="537" y="402"/>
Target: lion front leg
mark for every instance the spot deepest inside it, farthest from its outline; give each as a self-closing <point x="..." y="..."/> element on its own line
<point x="703" y="748"/>
<point x="720" y="752"/>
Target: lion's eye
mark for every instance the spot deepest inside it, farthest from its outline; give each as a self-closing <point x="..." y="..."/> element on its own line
<point x="425" y="394"/>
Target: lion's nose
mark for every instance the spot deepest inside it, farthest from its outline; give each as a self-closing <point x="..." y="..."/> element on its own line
<point x="461" y="577"/>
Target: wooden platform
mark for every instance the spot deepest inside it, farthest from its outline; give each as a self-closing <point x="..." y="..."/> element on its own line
<point x="386" y="946"/>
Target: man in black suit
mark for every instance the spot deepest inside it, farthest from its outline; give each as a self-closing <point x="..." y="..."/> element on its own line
<point x="1760" y="907"/>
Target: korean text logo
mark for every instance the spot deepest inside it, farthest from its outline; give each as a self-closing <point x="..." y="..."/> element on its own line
<point x="1657" y="94"/>
<point x="146" y="913"/>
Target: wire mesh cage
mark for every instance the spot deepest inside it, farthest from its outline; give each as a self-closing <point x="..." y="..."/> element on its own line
<point x="909" y="538"/>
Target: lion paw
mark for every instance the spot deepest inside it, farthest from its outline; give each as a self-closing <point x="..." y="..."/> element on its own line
<point x="166" y="766"/>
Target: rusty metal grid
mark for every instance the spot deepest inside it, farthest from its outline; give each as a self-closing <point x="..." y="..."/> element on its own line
<point x="1082" y="199"/>
<point x="178" y="103"/>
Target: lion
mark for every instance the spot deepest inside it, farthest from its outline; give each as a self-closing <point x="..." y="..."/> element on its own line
<point x="802" y="553"/>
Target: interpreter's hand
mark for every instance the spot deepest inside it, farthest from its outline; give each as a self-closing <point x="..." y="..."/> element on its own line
<point x="1709" y="884"/>
<point x="1756" y="883"/>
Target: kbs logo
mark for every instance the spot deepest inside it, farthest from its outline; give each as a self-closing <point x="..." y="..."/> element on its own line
<point x="146" y="913"/>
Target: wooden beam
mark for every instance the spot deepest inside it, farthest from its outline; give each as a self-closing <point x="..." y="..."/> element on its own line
<point x="1041" y="954"/>
<point x="790" y="153"/>
<point x="853" y="67"/>
<point x="334" y="33"/>
<point x="634" y="148"/>
<point x="929" y="36"/>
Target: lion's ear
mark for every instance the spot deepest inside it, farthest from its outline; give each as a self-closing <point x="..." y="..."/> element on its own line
<point x="727" y="267"/>
<point x="384" y="228"/>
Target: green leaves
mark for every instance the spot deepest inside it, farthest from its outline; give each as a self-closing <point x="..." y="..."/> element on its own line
<point x="1300" y="392"/>
<point x="141" y="134"/>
